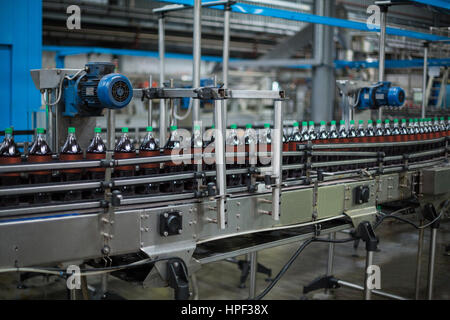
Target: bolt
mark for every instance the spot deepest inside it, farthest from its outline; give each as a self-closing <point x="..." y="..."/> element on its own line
<point x="166" y="233"/>
<point x="166" y="215"/>
<point x="180" y="231"/>
<point x="146" y="229"/>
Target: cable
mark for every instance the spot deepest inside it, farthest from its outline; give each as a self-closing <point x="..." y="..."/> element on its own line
<point x="183" y="117"/>
<point x="60" y="88"/>
<point x="94" y="271"/>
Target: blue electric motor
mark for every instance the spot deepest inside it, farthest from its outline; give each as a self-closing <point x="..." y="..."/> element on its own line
<point x="380" y="95"/>
<point x="95" y="89"/>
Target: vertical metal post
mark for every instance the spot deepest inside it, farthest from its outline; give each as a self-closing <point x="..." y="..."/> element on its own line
<point x="50" y="126"/>
<point x="431" y="262"/>
<point x="382" y="55"/>
<point x="219" y="146"/>
<point x="419" y="261"/>
<point x="330" y="261"/>
<point x="197" y="57"/>
<point x="226" y="50"/>
<point x="424" y="78"/>
<point x="277" y="149"/>
<point x="367" y="290"/>
<point x="253" y="271"/>
<point x="150" y="103"/>
<point x="162" y="104"/>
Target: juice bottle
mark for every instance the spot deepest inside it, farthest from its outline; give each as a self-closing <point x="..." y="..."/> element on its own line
<point x="96" y="151"/>
<point x="40" y="152"/>
<point x="149" y="148"/>
<point x="9" y="154"/>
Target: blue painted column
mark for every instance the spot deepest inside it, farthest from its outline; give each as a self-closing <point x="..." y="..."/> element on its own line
<point x="20" y="51"/>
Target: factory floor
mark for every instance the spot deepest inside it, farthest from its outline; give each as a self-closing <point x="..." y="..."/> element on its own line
<point x="396" y="258"/>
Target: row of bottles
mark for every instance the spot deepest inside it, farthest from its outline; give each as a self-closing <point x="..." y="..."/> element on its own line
<point x="252" y="141"/>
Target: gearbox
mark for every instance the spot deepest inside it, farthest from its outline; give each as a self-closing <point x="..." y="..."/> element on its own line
<point x="95" y="88"/>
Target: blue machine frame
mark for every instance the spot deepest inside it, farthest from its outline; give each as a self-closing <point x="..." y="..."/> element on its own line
<point x="20" y="51"/>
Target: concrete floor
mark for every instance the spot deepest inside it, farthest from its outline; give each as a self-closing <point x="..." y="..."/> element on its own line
<point x="397" y="259"/>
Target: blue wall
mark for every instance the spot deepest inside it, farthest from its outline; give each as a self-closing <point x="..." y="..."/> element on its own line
<point x="20" y="51"/>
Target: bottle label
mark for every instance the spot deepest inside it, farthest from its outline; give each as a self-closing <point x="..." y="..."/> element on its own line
<point x="71" y="157"/>
<point x="10" y="160"/>
<point x="95" y="156"/>
<point x="38" y="158"/>
<point x="147" y="154"/>
<point x="124" y="155"/>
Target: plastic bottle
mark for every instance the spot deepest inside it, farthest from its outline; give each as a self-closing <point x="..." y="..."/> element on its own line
<point x="343" y="139"/>
<point x="251" y="147"/>
<point x="370" y="131"/>
<point x="294" y="140"/>
<point x="312" y="131"/>
<point x="209" y="162"/>
<point x="125" y="150"/>
<point x="149" y="148"/>
<point x="233" y="144"/>
<point x="40" y="152"/>
<point x="333" y="137"/>
<point x="96" y="151"/>
<point x="173" y="147"/>
<point x="9" y="154"/>
<point x="265" y="145"/>
<point x="71" y="151"/>
<point x="322" y="138"/>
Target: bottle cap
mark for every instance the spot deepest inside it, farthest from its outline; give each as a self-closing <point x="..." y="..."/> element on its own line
<point x="98" y="130"/>
<point x="233" y="126"/>
<point x="149" y="129"/>
<point x="379" y="121"/>
<point x="420" y="120"/>
<point x="40" y="130"/>
<point x="442" y="118"/>
<point x="369" y="121"/>
<point x="322" y="123"/>
<point x="342" y="122"/>
<point x="248" y="126"/>
<point x="296" y="124"/>
<point x="311" y="123"/>
<point x="411" y="120"/>
<point x="436" y="118"/>
<point x="386" y="121"/>
<point x="395" y="120"/>
<point x="8" y="130"/>
<point x="305" y="123"/>
<point x="266" y="125"/>
<point x="71" y="130"/>
<point x="213" y="127"/>
<point x="403" y="120"/>
<point x="173" y="128"/>
<point x="333" y="122"/>
<point x="124" y="130"/>
<point x="352" y="121"/>
<point x="361" y="121"/>
<point x="197" y="128"/>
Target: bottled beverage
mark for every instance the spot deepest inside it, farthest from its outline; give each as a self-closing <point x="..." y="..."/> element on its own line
<point x="304" y="136"/>
<point x="71" y="151"/>
<point x="285" y="159"/>
<point x="96" y="151"/>
<point x="379" y="131"/>
<point x="351" y="135"/>
<point x="264" y="145"/>
<point x="343" y="139"/>
<point x="387" y="131"/>
<point x="149" y="148"/>
<point x="9" y="154"/>
<point x="448" y="126"/>
<point x="312" y="131"/>
<point x="125" y="150"/>
<point x="411" y="130"/>
<point x="436" y="128"/>
<point x="208" y="147"/>
<point x="333" y="137"/>
<point x="173" y="147"/>
<point x="396" y="137"/>
<point x="322" y="138"/>
<point x="442" y="126"/>
<point x="251" y="147"/>
<point x="40" y="152"/>
<point x="370" y="132"/>
<point x="361" y="132"/>
<point x="294" y="140"/>
<point x="233" y="145"/>
<point x="404" y="131"/>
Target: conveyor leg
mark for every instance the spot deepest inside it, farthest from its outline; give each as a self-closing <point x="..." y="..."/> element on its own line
<point x="367" y="234"/>
<point x="419" y="261"/>
<point x="330" y="262"/>
<point x="253" y="272"/>
<point x="431" y="262"/>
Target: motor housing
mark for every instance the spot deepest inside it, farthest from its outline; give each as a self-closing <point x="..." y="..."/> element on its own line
<point x="95" y="89"/>
<point x="380" y="95"/>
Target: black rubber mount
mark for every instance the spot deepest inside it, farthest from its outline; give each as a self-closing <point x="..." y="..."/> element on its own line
<point x="366" y="233"/>
<point x="178" y="279"/>
<point x="322" y="282"/>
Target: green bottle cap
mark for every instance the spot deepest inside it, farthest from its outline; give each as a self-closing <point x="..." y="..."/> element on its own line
<point x="98" y="130"/>
<point x="233" y="126"/>
<point x="149" y="129"/>
<point x="173" y="128"/>
<point x="40" y="130"/>
<point x="333" y="122"/>
<point x="305" y="123"/>
<point x="361" y="121"/>
<point x="415" y="119"/>
<point x="420" y="120"/>
<point x="296" y="124"/>
<point x="436" y="118"/>
<point x="442" y="118"/>
<point x="197" y="127"/>
<point x="266" y="125"/>
<point x="248" y="126"/>
<point x="8" y="130"/>
<point x="342" y="122"/>
<point x="213" y="127"/>
<point x="322" y="123"/>
<point x="369" y="121"/>
<point x="124" y="130"/>
<point x="411" y="120"/>
<point x="395" y="120"/>
<point x="352" y="121"/>
<point x="71" y="130"/>
<point x="311" y="123"/>
<point x="379" y="121"/>
<point x="386" y="121"/>
<point x="403" y="120"/>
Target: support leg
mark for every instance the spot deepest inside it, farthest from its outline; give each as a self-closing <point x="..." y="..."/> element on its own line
<point x="431" y="263"/>
<point x="419" y="261"/>
<point x="253" y="271"/>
